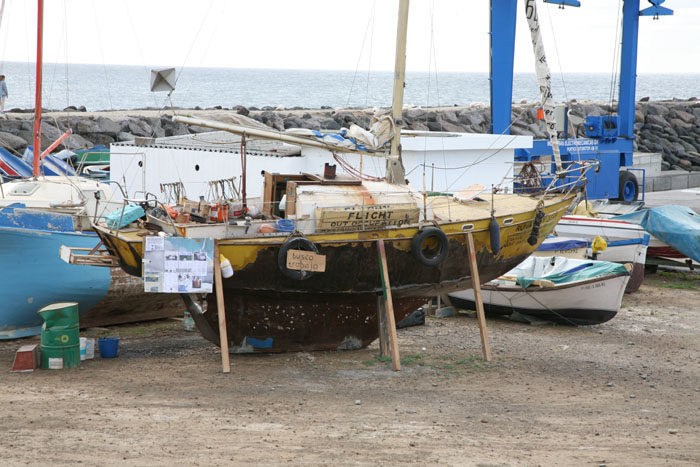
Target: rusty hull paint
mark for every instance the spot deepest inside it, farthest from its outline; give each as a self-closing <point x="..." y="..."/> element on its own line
<point x="126" y="302"/>
<point x="305" y="321"/>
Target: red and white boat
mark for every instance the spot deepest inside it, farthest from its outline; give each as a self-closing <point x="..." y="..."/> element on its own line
<point x="627" y="242"/>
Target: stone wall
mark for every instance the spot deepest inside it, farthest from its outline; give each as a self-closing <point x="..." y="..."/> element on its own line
<point x="671" y="128"/>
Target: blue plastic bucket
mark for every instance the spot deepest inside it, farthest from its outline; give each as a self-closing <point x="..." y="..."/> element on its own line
<point x="109" y="346"/>
<point x="285" y="225"/>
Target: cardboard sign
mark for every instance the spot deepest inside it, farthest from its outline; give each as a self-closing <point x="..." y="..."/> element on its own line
<point x="365" y="217"/>
<point x="301" y="260"/>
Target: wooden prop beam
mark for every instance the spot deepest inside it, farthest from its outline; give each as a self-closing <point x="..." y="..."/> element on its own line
<point x="388" y="309"/>
<point x="383" y="329"/>
<point x="477" y="298"/>
<point x="223" y="333"/>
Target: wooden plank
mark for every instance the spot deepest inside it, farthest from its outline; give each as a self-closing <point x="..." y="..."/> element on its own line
<point x="269" y="190"/>
<point x="383" y="330"/>
<point x="446" y="299"/>
<point x="477" y="298"/>
<point x="537" y="282"/>
<point x="389" y="308"/>
<point x="93" y="258"/>
<point x="221" y="309"/>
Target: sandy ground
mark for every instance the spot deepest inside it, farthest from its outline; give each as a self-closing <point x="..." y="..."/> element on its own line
<point x="626" y="392"/>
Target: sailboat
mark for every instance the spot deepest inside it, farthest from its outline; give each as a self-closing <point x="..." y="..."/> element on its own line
<point x="40" y="213"/>
<point x="271" y="307"/>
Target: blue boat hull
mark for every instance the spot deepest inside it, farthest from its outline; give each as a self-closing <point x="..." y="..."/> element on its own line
<point x="33" y="275"/>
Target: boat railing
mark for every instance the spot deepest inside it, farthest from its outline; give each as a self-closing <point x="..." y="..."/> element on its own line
<point x="530" y="179"/>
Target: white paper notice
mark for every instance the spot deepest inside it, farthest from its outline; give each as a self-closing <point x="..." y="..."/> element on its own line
<point x="155" y="243"/>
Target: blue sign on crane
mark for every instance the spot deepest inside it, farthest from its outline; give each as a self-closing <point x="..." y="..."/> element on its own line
<point x="609" y="139"/>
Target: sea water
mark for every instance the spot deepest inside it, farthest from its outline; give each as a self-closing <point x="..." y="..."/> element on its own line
<point x="113" y="87"/>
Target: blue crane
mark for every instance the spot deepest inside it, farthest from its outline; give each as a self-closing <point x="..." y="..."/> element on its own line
<point x="609" y="139"/>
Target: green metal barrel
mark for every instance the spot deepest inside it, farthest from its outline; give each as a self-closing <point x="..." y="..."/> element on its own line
<point x="60" y="315"/>
<point x="60" y="336"/>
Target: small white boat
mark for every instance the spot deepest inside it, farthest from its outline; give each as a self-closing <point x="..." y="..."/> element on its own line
<point x="626" y="242"/>
<point x="555" y="288"/>
<point x="569" y="247"/>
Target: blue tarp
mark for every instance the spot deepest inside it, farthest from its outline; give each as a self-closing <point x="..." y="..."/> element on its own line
<point x="678" y="226"/>
<point x="553" y="243"/>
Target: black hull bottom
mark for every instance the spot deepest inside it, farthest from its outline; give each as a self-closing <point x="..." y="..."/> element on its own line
<point x="568" y="316"/>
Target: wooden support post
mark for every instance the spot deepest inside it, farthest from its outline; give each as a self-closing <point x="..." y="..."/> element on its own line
<point x="221" y="310"/>
<point x="477" y="298"/>
<point x="388" y="308"/>
<point x="383" y="329"/>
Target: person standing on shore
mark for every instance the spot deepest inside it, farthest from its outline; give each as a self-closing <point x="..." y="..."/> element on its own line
<point x="3" y="94"/>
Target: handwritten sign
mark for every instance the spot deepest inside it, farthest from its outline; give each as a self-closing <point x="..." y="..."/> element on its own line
<point x="365" y="217"/>
<point x="301" y="260"/>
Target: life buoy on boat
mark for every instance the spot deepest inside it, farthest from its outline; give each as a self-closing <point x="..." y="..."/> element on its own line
<point x="296" y="243"/>
<point x="431" y="256"/>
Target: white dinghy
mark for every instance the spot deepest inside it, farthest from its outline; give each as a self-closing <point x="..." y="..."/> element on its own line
<point x="564" y="290"/>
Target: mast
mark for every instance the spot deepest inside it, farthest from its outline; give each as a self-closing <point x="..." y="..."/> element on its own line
<point x="37" y="105"/>
<point x="395" y="172"/>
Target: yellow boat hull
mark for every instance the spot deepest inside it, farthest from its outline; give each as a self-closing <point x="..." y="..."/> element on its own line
<point x="336" y="309"/>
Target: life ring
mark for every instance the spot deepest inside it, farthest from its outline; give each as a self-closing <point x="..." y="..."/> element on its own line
<point x="296" y="243"/>
<point x="440" y="252"/>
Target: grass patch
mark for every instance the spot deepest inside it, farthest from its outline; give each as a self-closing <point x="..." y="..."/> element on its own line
<point x="416" y="359"/>
<point x="470" y="360"/>
<point x="678" y="280"/>
<point x="678" y="285"/>
<point x="377" y="359"/>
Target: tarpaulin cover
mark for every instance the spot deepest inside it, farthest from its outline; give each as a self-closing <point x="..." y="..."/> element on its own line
<point x="678" y="226"/>
<point x="380" y="133"/>
<point x="564" y="270"/>
<point x="553" y="243"/>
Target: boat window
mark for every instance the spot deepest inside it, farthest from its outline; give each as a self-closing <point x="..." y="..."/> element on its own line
<point x="467" y="227"/>
<point x="508" y="221"/>
<point x="24" y="189"/>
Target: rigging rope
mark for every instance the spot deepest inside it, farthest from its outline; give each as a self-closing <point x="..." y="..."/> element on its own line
<point x="370" y="20"/>
<point x="102" y="54"/>
<point x="543" y="78"/>
<point x="616" y="58"/>
<point x="138" y="46"/>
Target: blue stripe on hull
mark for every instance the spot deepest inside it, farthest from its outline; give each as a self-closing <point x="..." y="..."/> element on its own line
<point x="33" y="275"/>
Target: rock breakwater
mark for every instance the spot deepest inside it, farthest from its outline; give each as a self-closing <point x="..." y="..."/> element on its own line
<point x="671" y="128"/>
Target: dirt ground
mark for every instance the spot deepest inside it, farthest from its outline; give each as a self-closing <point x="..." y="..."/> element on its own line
<point x="624" y="393"/>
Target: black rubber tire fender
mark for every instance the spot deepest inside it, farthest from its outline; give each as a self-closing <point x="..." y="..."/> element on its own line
<point x="296" y="243"/>
<point x="419" y="239"/>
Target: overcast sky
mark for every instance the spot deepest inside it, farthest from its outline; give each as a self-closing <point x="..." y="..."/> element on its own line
<point x="329" y="34"/>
